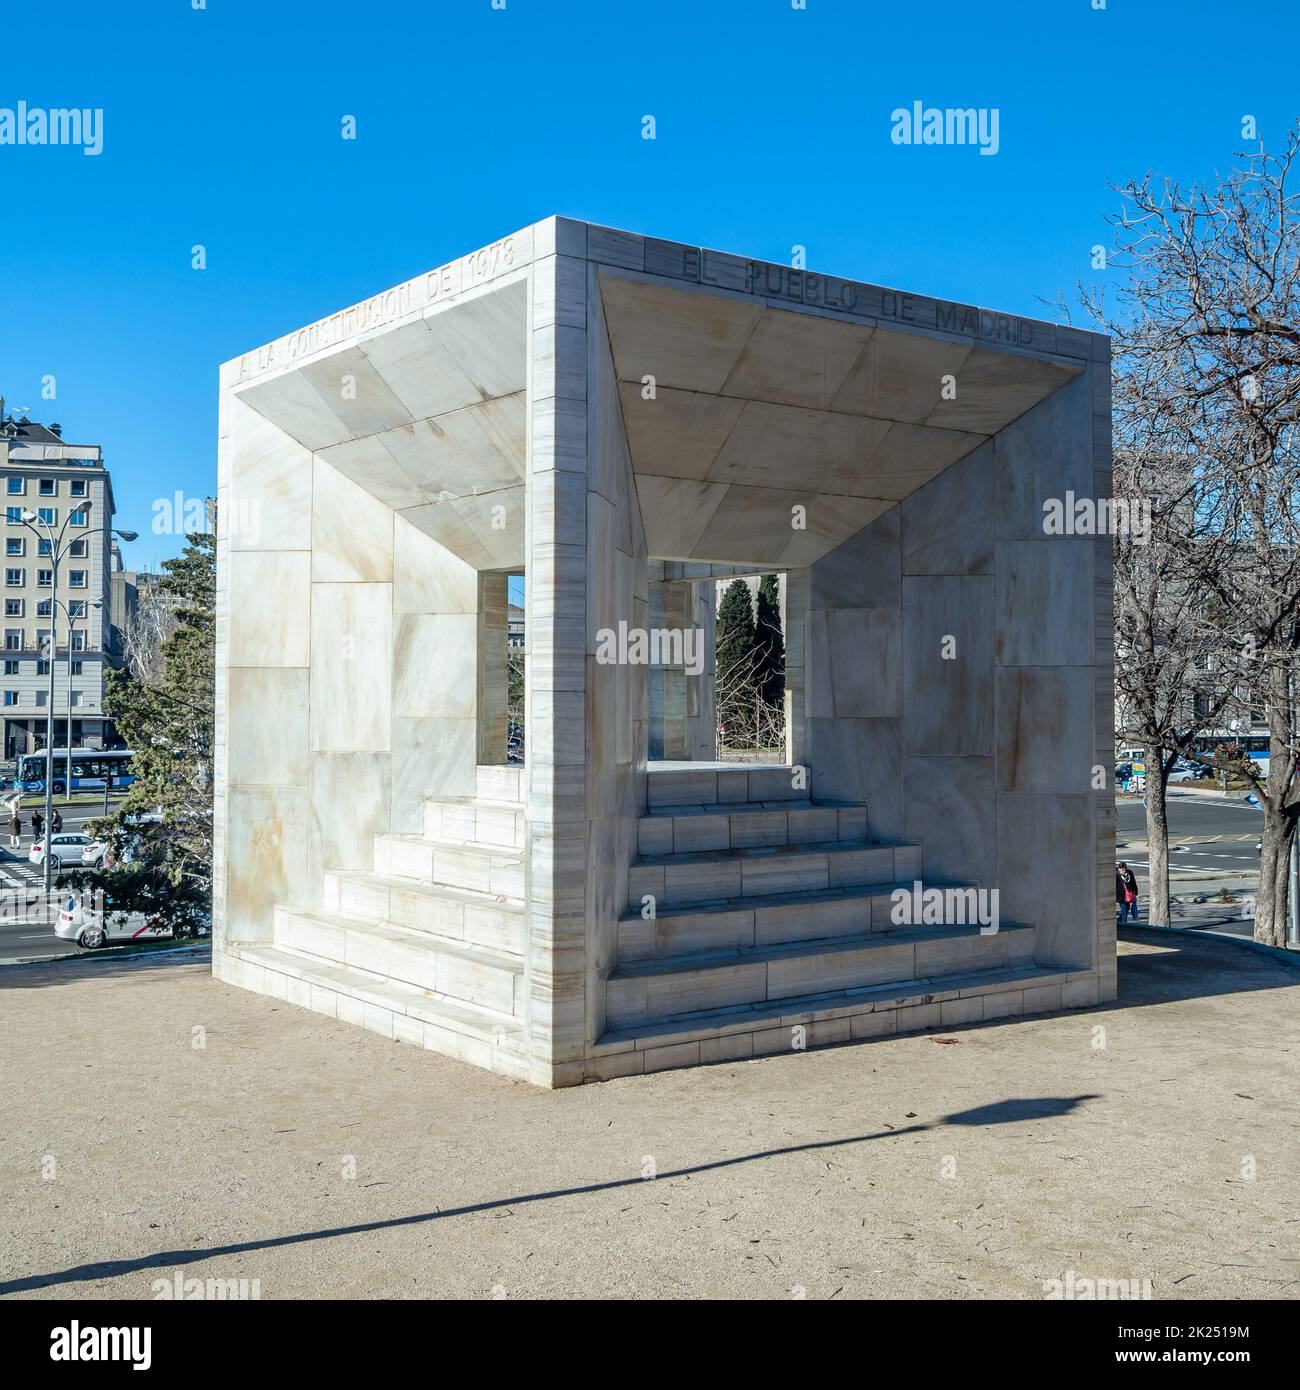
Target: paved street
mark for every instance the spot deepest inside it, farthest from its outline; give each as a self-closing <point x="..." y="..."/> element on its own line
<point x="25" y="940"/>
<point x="1211" y="847"/>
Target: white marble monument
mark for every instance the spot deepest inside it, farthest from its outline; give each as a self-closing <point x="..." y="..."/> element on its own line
<point x="620" y="420"/>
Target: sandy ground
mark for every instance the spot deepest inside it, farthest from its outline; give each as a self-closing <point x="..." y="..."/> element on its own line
<point x="1150" y="1139"/>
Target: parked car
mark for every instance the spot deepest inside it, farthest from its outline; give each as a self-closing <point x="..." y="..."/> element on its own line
<point x="68" y="847"/>
<point x="1191" y="772"/>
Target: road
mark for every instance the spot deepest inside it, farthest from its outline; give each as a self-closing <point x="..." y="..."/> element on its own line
<point x="1209" y="836"/>
<point x="24" y="940"/>
<point x="1211" y="847"/>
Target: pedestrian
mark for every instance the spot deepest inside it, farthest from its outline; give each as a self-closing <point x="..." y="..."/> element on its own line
<point x="1126" y="892"/>
<point x="56" y="821"/>
<point x="15" y="830"/>
<point x="38" y="825"/>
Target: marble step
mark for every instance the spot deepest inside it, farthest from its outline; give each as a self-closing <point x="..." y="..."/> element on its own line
<point x="475" y="820"/>
<point x="944" y="1001"/>
<point x="493" y="783"/>
<point x="461" y="914"/>
<point x="484" y="869"/>
<point x="639" y="991"/>
<point x="705" y="784"/>
<point x="768" y="920"/>
<point x="675" y="880"/>
<point x="470" y="974"/>
<point x="748" y="824"/>
<point x="398" y="1010"/>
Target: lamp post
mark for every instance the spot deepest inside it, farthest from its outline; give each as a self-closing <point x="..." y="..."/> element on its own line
<point x="31" y="520"/>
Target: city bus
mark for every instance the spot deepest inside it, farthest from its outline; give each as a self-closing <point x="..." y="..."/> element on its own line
<point x="93" y="769"/>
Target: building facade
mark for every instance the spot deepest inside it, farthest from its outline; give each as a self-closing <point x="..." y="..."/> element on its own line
<point x="62" y="483"/>
<point x="623" y="421"/>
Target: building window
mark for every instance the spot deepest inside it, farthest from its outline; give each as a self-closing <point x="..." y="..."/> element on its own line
<point x="77" y="608"/>
<point x="13" y="516"/>
<point x="43" y="549"/>
<point x="78" y="668"/>
<point x="44" y="578"/>
<point x="42" y="668"/>
<point x="15" y="486"/>
<point x="11" y="697"/>
<point x="77" y="579"/>
<point x="13" y="639"/>
<point x="48" y="516"/>
<point x="44" y="607"/>
<point x="77" y="487"/>
<point x="79" y="519"/>
<point x="74" y="698"/>
<point x="78" y="642"/>
<point x="11" y="667"/>
<point x="78" y="548"/>
<point x="49" y="487"/>
<point x="14" y="607"/>
<point x="40" y="698"/>
<point x="15" y="545"/>
<point x="15" y="579"/>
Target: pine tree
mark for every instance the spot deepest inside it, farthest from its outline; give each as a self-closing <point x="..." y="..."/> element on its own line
<point x="162" y="832"/>
<point x="769" y="644"/>
<point x="735" y="662"/>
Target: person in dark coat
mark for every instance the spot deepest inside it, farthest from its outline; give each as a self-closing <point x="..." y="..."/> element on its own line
<point x="56" y="821"/>
<point x="38" y="825"/>
<point x="1126" y="892"/>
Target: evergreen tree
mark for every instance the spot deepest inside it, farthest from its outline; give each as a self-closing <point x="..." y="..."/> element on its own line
<point x="162" y="833"/>
<point x="735" y="662"/>
<point x="769" y="644"/>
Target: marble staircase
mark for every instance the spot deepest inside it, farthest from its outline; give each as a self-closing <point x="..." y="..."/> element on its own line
<point x="428" y="945"/>
<point x="754" y="908"/>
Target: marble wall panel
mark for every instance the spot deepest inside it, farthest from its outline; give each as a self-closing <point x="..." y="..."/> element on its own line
<point x="948" y="665"/>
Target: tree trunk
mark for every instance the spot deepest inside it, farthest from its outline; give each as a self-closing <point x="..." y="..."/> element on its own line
<point x="1157" y="840"/>
<point x="1279" y="818"/>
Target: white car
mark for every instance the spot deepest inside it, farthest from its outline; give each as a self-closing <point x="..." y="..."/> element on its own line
<point x="68" y="847"/>
<point x="93" y="855"/>
<point x="88" y="928"/>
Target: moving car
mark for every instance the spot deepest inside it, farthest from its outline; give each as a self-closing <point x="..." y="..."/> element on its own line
<point x="92" y="929"/>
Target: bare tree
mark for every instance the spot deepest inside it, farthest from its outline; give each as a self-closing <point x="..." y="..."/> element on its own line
<point x="1207" y="338"/>
<point x="146" y="625"/>
<point x="749" y="726"/>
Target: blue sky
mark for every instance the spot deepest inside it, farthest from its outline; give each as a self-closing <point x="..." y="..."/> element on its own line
<point x="222" y="127"/>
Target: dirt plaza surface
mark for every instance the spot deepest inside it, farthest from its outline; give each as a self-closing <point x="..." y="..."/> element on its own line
<point x="162" y="1128"/>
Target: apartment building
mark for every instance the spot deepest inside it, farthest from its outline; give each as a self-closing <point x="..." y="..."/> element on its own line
<point x="61" y="483"/>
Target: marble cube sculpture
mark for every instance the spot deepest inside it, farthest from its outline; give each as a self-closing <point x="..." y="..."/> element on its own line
<point x="622" y="421"/>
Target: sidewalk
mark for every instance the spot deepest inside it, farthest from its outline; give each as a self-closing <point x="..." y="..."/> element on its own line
<point x="159" y="1124"/>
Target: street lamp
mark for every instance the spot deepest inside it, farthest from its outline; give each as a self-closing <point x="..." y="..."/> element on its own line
<point x="31" y="520"/>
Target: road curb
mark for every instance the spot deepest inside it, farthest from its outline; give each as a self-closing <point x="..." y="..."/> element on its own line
<point x="1279" y="953"/>
<point x="110" y="953"/>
